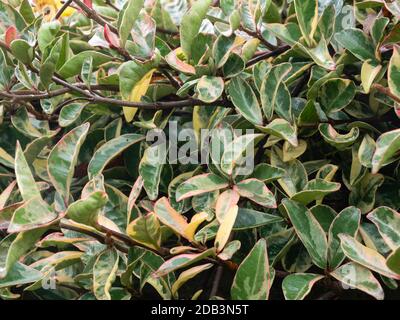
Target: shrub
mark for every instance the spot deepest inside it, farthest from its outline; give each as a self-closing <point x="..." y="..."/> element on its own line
<point x="112" y="188"/>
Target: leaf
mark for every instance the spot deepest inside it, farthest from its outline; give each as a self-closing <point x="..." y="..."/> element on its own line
<point x="226" y="200"/>
<point x="26" y="183"/>
<point x="314" y="190"/>
<point x="209" y="88"/>
<point x="145" y="230"/>
<point x="363" y="193"/>
<point x="355" y="276"/>
<point x="387" y="148"/>
<point x="138" y="91"/>
<point x="297" y="286"/>
<point x="307" y="17"/>
<point x="267" y="173"/>
<point x="73" y="66"/>
<point x="150" y="168"/>
<point x="46" y="33"/>
<point x="335" y="94"/>
<point x="104" y="273"/>
<point x="196" y="220"/>
<point x="222" y="48"/>
<point x="190" y="25"/>
<point x="225" y="228"/>
<point x="274" y="94"/>
<point x="394" y="72"/>
<point x="127" y="19"/>
<point x="200" y="184"/>
<point x="171" y="218"/>
<point x="174" y="60"/>
<point x="70" y="113"/>
<point x="256" y="191"/>
<point x="22" y="51"/>
<point x="282" y="129"/>
<point x="357" y="43"/>
<point x="369" y="71"/>
<point x="233" y="157"/>
<point x="253" y="278"/>
<point x="249" y="219"/>
<point x="33" y="214"/>
<point x="182" y="261"/>
<point x="309" y="231"/>
<point x="365" y="256"/>
<point x="110" y="150"/>
<point x="85" y="211"/>
<point x="20" y="274"/>
<point x="387" y="221"/>
<point x="244" y="100"/>
<point x="187" y="275"/>
<point x="63" y="158"/>
<point x="346" y="222"/>
<point x="339" y="141"/>
<point x="393" y="261"/>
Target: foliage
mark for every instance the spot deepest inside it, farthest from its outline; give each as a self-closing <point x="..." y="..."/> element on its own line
<point x="92" y="209"/>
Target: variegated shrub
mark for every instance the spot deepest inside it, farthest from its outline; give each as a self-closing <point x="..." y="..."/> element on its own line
<point x="304" y="94"/>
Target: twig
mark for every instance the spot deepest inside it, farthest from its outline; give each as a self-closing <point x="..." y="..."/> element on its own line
<point x="217" y="280"/>
<point x="267" y="55"/>
<point x="386" y="91"/>
<point x="62" y="9"/>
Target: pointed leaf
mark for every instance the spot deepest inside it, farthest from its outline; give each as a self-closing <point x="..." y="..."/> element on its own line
<point x="297" y="286"/>
<point x="388" y="223"/>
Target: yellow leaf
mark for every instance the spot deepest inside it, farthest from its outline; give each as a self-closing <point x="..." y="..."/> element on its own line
<point x="138" y="91"/>
<point x="225" y="228"/>
<point x="197" y="219"/>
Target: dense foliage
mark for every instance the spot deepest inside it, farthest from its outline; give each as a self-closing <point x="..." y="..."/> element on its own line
<point x="307" y="92"/>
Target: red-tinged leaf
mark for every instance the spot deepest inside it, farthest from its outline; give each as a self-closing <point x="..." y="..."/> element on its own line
<point x="10" y="35"/>
<point x="111" y="37"/>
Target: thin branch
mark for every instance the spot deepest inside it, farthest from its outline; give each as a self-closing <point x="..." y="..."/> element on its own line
<point x="386" y="91"/>
<point x="267" y="55"/>
<point x="217" y="280"/>
<point x="62" y="9"/>
<point x="258" y="35"/>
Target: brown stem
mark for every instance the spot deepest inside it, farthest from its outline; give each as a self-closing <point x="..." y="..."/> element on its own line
<point x="386" y="91"/>
<point x="62" y="9"/>
<point x="217" y="280"/>
<point x="267" y="55"/>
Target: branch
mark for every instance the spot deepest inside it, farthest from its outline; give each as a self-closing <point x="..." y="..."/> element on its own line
<point x="267" y="55"/>
<point x="217" y="280"/>
<point x="62" y="9"/>
<point x="386" y="91"/>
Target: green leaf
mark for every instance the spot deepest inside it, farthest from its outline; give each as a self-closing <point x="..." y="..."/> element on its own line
<point x="86" y="210"/>
<point x="22" y="51"/>
<point x="73" y="66"/>
<point x="233" y="153"/>
<point x="70" y="113"/>
<point x="150" y="168"/>
<point x="297" y="286"/>
<point x="339" y="141"/>
<point x="127" y="18"/>
<point x="63" y="158"/>
<point x="182" y="261"/>
<point x="26" y="183"/>
<point x="309" y="231"/>
<point x="253" y="278"/>
<point x="32" y="214"/>
<point x="363" y="193"/>
<point x="244" y="100"/>
<point x="104" y="273"/>
<point x="369" y="71"/>
<point x="394" y="72"/>
<point x="335" y="94"/>
<point x="186" y="275"/>
<point x="365" y="256"/>
<point x="282" y="129"/>
<point x="209" y="88"/>
<point x="110" y="150"/>
<point x="249" y="219"/>
<point x="267" y="173"/>
<point x="387" y="148"/>
<point x="346" y="222"/>
<point x="20" y="274"/>
<point x="387" y="221"/>
<point x="355" y="276"/>
<point x="226" y="224"/>
<point x="146" y="230"/>
<point x="47" y="33"/>
<point x="307" y="17"/>
<point x="275" y="96"/>
<point x="314" y="190"/>
<point x="190" y="25"/>
<point x="357" y="43"/>
<point x="256" y="191"/>
<point x="393" y="261"/>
